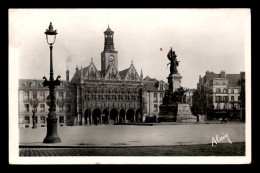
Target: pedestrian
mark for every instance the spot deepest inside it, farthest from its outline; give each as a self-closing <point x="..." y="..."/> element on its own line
<point x="97" y="120"/>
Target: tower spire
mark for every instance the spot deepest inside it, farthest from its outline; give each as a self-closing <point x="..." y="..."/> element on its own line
<point x="141" y="77"/>
<point x="109" y="41"/>
<point x="81" y="75"/>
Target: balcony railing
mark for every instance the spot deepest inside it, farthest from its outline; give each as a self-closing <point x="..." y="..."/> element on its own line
<point x="233" y="101"/>
<point x="221" y="101"/>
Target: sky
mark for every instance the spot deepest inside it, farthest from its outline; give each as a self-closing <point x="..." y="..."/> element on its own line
<point x="203" y="40"/>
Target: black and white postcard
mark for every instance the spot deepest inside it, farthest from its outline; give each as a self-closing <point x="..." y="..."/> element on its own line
<point x="129" y="86"/>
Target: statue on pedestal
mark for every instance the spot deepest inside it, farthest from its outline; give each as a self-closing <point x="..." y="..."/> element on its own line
<point x="174" y="63"/>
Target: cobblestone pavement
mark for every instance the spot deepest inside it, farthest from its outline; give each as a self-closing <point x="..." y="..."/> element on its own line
<point x="223" y="149"/>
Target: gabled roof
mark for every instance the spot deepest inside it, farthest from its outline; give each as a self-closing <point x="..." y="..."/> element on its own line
<point x="151" y="84"/>
<point x="123" y="73"/>
<point x="75" y="77"/>
<point x="112" y="66"/>
<point x="147" y="78"/>
<point x="85" y="70"/>
<point x="78" y="73"/>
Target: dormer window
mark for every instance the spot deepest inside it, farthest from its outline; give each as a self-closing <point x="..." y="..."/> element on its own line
<point x="161" y="86"/>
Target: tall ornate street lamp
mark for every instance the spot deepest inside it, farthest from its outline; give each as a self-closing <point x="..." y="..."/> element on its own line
<point x="52" y="134"/>
<point x="34" y="104"/>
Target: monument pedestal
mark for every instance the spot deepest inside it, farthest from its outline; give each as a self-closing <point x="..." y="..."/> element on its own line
<point x="184" y="113"/>
<point x="168" y="113"/>
<point x="174" y="81"/>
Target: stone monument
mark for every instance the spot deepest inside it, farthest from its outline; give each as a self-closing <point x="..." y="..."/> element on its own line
<point x="174" y="107"/>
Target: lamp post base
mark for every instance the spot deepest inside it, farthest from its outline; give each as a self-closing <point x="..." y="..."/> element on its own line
<point x="51" y="139"/>
<point x="52" y="134"/>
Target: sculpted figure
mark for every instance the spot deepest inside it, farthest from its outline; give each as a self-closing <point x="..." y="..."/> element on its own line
<point x="174" y="63"/>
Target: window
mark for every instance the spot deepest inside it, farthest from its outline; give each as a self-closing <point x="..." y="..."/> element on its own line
<point x="68" y="118"/>
<point x="232" y="98"/>
<point x="42" y="106"/>
<point x="68" y="94"/>
<point x="26" y="93"/>
<point x="68" y="107"/>
<point x="161" y="86"/>
<point x="26" y="119"/>
<point x="218" y="98"/>
<point x="61" y="119"/>
<point x="60" y="108"/>
<point x="161" y="97"/>
<point x="155" y="108"/>
<point x="238" y="97"/>
<point x="42" y="93"/>
<point x="60" y="94"/>
<point x="26" y="107"/>
<point x="232" y="90"/>
<point x="155" y="97"/>
<point x="225" y="98"/>
<point x="218" y="90"/>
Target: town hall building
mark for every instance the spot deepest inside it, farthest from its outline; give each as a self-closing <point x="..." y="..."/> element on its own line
<point x="108" y="95"/>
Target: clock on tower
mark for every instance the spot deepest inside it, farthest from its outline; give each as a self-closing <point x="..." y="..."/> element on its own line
<point x="111" y="59"/>
<point x="109" y="55"/>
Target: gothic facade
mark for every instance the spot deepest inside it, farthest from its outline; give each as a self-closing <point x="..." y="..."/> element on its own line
<point x="108" y="95"/>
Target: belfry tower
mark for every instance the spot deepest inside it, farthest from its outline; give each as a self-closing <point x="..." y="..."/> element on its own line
<point x="109" y="55"/>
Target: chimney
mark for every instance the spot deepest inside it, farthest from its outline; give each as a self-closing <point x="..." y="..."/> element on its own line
<point x="67" y="75"/>
<point x="222" y="74"/>
<point x="242" y="75"/>
<point x="207" y="72"/>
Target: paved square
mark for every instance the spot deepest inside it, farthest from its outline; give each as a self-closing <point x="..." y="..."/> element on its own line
<point x="133" y="135"/>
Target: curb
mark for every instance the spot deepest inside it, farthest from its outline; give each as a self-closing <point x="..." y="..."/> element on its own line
<point x="78" y="146"/>
<point x="109" y="146"/>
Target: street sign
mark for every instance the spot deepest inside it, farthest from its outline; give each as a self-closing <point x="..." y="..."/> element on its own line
<point x="48" y="100"/>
